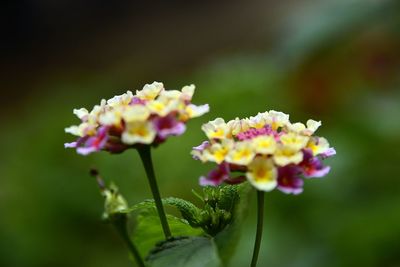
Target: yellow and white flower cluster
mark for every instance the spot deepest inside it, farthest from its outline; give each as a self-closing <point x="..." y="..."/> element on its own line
<point x="269" y="149"/>
<point x="148" y="117"/>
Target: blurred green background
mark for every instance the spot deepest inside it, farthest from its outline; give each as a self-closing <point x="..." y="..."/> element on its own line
<point x="335" y="61"/>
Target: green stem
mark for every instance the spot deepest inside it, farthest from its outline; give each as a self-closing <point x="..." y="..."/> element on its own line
<point x="260" y="220"/>
<point x="120" y="224"/>
<point x="145" y="155"/>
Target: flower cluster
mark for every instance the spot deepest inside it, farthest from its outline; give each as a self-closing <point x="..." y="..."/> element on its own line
<point x="149" y="117"/>
<point x="268" y="150"/>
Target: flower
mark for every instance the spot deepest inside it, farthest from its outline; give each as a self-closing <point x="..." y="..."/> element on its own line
<point x="148" y="117"/>
<point x="289" y="180"/>
<point x="217" y="176"/>
<point x="313" y="166"/>
<point x="115" y="205"/>
<point x="262" y="173"/>
<point x="267" y="150"/>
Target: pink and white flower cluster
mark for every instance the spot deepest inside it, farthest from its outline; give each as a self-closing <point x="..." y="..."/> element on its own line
<point x="267" y="150"/>
<point x="148" y="117"/>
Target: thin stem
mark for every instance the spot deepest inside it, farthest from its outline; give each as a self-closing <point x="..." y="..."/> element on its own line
<point x="120" y="224"/>
<point x="260" y="220"/>
<point x="145" y="155"/>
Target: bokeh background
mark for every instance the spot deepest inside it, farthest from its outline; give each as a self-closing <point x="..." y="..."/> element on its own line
<point x="336" y="61"/>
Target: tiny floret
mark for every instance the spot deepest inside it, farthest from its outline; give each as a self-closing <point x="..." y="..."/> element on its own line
<point x="148" y="117"/>
<point x="267" y="149"/>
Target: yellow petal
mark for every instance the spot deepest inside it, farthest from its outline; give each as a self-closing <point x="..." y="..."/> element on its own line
<point x="318" y="145"/>
<point x="150" y="91"/>
<point x="188" y="92"/>
<point x="135" y="113"/>
<point x="296" y="141"/>
<point x="264" y="144"/>
<point x="193" y="111"/>
<point x="258" y="121"/>
<point x="241" y="154"/>
<point x="237" y="126"/>
<point x="277" y="119"/>
<point x="74" y="130"/>
<point x="216" y="129"/>
<point x="118" y="100"/>
<point x="312" y="126"/>
<point x="217" y="152"/>
<point x="262" y="174"/>
<point x="286" y="154"/>
<point x="81" y="113"/>
<point x="138" y="132"/>
<point x="110" y="118"/>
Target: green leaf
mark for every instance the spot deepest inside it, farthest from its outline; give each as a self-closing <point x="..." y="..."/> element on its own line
<point x="185" y="252"/>
<point x="228" y="238"/>
<point x="188" y="210"/>
<point x="148" y="231"/>
<point x="229" y="197"/>
<point x="144" y="205"/>
<point x="221" y="217"/>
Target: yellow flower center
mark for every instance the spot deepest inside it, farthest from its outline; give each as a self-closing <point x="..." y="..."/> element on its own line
<point x="218" y="133"/>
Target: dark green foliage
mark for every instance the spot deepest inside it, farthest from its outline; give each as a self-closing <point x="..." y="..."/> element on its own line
<point x="219" y="205"/>
<point x="218" y="220"/>
<point x="148" y="231"/>
<point x="184" y="252"/>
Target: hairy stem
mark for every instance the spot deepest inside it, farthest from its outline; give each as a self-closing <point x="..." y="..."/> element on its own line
<point x="120" y="224"/>
<point x="145" y="155"/>
<point x="260" y="221"/>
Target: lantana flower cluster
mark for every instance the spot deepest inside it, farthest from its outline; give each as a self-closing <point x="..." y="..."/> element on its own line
<point x="148" y="117"/>
<point x="267" y="150"/>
